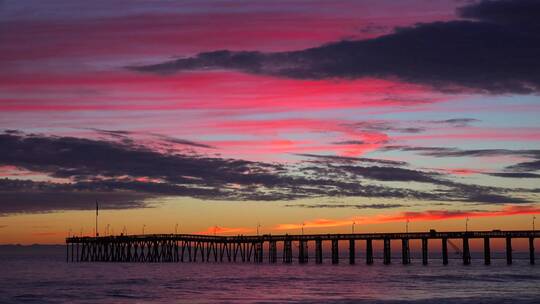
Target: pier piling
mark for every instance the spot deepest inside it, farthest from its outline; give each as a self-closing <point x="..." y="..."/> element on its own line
<point x="424" y="251"/>
<point x="335" y="252"/>
<point x="508" y="250"/>
<point x="387" y="254"/>
<point x="369" y="252"/>
<point x="259" y="252"/>
<point x="318" y="251"/>
<point x="272" y="252"/>
<point x="487" y="252"/>
<point x="302" y="252"/>
<point x="352" y="252"/>
<point x="405" y="252"/>
<point x="445" y="251"/>
<point x="466" y="252"/>
<point x="531" y="250"/>
<point x="287" y="251"/>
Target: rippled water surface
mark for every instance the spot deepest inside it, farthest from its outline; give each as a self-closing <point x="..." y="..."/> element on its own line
<point x="42" y="276"/>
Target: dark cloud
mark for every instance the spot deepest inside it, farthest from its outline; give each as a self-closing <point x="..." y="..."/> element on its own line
<point x="180" y="141"/>
<point x="456" y="122"/>
<point x="125" y="136"/>
<point x="391" y="174"/>
<point x="347" y="159"/>
<point x="113" y="133"/>
<point x="127" y="175"/>
<point x="525" y="166"/>
<point x="12" y="131"/>
<point x="68" y="157"/>
<point x="513" y="171"/>
<point x="512" y="12"/>
<point x="495" y="199"/>
<point x="515" y="174"/>
<point x="446" y="189"/>
<point x="384" y="126"/>
<point x="353" y="206"/>
<point x="455" y="152"/>
<point x="484" y="194"/>
<point x="130" y="173"/>
<point x="495" y="52"/>
<point x="422" y="150"/>
<point x="349" y="142"/>
<point x="24" y="196"/>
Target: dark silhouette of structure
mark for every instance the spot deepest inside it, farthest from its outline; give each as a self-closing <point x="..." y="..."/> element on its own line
<point x="206" y="248"/>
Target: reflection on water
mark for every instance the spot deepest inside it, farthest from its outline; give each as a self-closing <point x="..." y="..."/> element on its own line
<point x="42" y="276"/>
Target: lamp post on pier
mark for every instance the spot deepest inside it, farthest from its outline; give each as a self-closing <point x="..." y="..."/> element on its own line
<point x="96" y="231"/>
<point x="407" y="226"/>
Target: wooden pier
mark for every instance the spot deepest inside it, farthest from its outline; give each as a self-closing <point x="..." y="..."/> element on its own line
<point x="205" y="248"/>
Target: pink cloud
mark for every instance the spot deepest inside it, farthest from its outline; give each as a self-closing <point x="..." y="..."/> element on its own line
<point x="273" y="129"/>
<point x="208" y="91"/>
<point x="224" y="230"/>
<point x="433" y="215"/>
<point x="187" y="29"/>
<point x="317" y="223"/>
<point x="7" y="171"/>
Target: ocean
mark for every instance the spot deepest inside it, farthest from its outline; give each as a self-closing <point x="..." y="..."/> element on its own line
<point x="40" y="274"/>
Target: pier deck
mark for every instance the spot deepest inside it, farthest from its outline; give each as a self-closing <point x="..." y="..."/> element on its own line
<point x="250" y="248"/>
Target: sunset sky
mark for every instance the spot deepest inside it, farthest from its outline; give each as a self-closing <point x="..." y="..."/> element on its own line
<point x="234" y="113"/>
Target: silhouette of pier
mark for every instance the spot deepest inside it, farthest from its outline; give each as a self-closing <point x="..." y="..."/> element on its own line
<point x="206" y="248"/>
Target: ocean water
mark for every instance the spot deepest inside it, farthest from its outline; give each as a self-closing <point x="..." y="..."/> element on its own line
<point x="41" y="275"/>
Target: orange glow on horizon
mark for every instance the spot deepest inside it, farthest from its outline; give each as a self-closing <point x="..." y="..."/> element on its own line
<point x="428" y="215"/>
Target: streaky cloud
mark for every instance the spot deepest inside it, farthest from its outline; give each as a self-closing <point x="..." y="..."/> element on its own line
<point x="180" y="141"/>
<point x="353" y="206"/>
<point x="349" y="142"/>
<point x="455" y="152"/>
<point x="515" y="174"/>
<point x="337" y="158"/>
<point x="124" y="135"/>
<point x="456" y="122"/>
<point x="384" y="126"/>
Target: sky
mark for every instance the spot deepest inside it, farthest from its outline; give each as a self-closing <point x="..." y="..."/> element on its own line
<point x="224" y="116"/>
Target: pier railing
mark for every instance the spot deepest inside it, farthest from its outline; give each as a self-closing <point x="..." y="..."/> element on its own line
<point x="250" y="248"/>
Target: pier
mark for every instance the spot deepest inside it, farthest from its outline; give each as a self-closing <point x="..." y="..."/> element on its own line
<point x="155" y="248"/>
